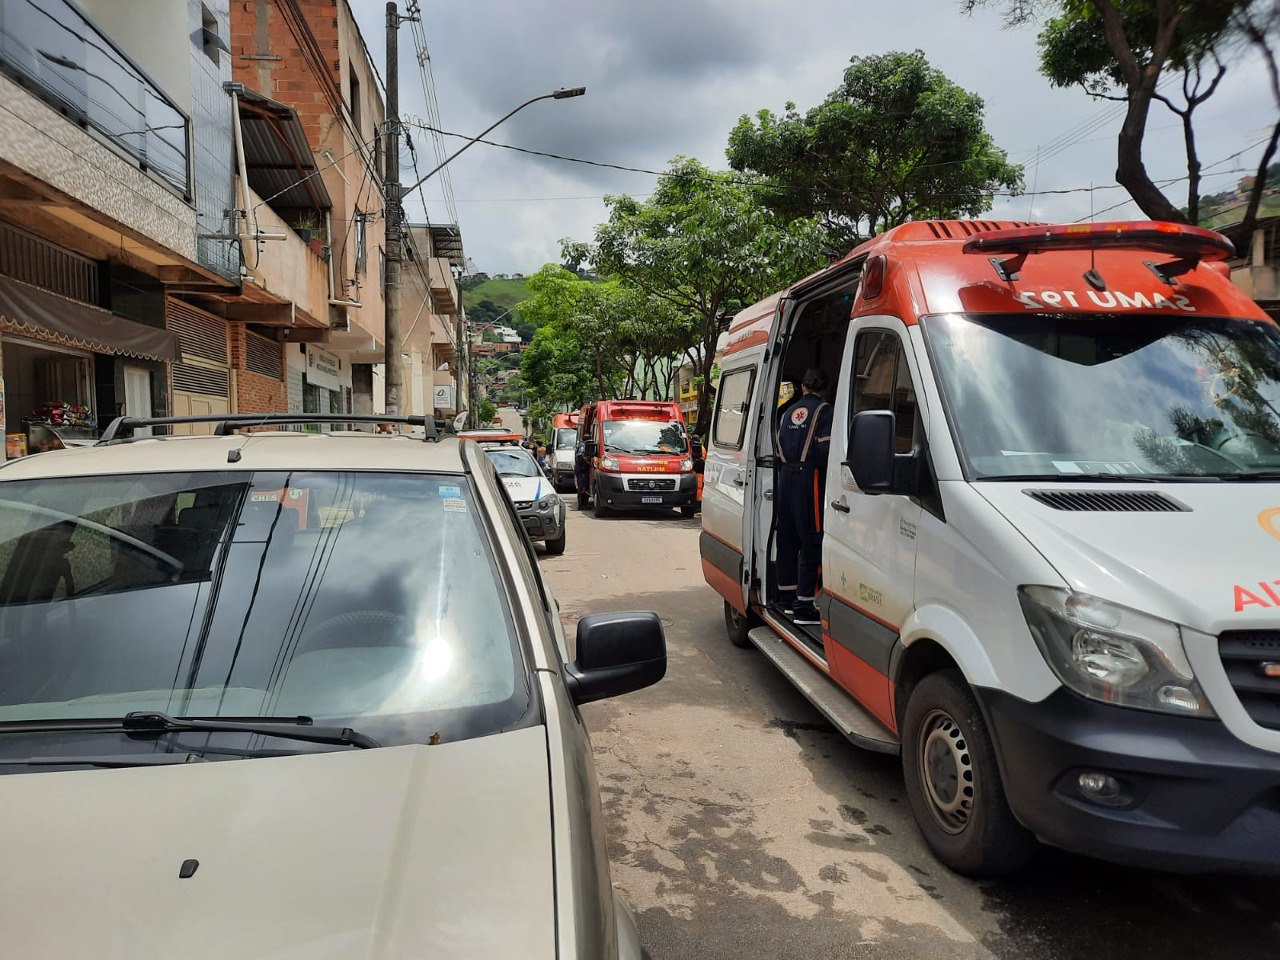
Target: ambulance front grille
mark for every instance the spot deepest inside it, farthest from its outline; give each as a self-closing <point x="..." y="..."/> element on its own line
<point x="1107" y="501"/>
<point x="1246" y="656"/>
<point x="651" y="483"/>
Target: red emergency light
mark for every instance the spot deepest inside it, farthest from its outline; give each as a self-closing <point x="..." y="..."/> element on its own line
<point x="1177" y="239"/>
<point x="1189" y="245"/>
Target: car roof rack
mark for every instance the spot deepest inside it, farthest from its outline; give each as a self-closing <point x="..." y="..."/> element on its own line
<point x="122" y="428"/>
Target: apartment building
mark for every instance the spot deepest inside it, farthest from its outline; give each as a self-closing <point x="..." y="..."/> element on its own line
<point x="1257" y="269"/>
<point x="104" y="208"/>
<point x="306" y="72"/>
<point x="431" y="318"/>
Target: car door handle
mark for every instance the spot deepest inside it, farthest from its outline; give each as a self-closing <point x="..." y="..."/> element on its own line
<point x="739" y="481"/>
<point x="840" y="505"/>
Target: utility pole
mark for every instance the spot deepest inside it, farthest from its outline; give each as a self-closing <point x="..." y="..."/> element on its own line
<point x="391" y="208"/>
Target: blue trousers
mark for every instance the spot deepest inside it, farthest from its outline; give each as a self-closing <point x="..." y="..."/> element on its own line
<point x="798" y="515"/>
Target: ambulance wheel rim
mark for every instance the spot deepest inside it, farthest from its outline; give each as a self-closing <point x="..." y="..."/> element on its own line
<point x="946" y="769"/>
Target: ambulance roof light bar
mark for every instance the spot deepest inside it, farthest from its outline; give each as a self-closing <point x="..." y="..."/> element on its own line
<point x="1188" y="245"/>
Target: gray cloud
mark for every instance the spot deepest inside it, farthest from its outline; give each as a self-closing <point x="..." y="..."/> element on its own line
<point x="669" y="77"/>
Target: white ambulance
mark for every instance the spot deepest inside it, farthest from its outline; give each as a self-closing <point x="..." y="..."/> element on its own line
<point x="1051" y="544"/>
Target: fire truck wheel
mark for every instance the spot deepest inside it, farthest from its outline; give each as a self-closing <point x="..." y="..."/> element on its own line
<point x="953" y="783"/>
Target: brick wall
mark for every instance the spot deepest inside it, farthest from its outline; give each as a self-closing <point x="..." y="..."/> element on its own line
<point x="259" y="28"/>
<point x="254" y="393"/>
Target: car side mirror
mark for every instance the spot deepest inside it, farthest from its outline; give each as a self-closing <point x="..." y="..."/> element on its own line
<point x="592" y="448"/>
<point x="699" y="452"/>
<point x="617" y="653"/>
<point x="870" y="451"/>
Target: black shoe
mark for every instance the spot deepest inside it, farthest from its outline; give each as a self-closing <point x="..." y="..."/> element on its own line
<point x="787" y="601"/>
<point x="805" y="614"/>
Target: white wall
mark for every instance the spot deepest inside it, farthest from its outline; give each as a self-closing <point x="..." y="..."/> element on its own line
<point x="156" y="34"/>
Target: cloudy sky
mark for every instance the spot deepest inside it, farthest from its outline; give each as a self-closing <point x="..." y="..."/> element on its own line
<point x="668" y="77"/>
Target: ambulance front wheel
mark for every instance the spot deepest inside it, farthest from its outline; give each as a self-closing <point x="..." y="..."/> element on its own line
<point x="953" y="782"/>
<point x="738" y="625"/>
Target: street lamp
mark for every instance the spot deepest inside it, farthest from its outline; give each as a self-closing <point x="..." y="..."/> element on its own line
<point x="564" y="93"/>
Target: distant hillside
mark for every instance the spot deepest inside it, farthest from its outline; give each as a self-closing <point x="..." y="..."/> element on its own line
<point x="1225" y="209"/>
<point x="502" y="293"/>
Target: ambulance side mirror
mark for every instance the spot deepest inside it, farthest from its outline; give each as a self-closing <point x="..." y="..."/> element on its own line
<point x="870" y="452"/>
<point x="591" y="449"/>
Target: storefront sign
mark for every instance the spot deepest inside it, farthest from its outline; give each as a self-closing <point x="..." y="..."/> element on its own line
<point x="443" y="398"/>
<point x="323" y="368"/>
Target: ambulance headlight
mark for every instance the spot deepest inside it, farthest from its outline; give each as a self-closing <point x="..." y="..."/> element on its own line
<point x="686" y="465"/>
<point x="609" y="463"/>
<point x="1111" y="653"/>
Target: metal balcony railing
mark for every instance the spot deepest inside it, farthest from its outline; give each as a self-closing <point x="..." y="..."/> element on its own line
<point x="52" y="49"/>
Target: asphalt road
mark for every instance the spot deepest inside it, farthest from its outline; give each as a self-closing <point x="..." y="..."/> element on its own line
<point x="742" y="826"/>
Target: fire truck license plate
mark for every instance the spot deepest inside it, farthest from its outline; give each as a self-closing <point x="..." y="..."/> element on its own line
<point x="651" y="499"/>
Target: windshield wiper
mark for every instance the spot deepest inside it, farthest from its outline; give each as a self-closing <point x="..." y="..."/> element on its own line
<point x="155" y="721"/>
<point x="1100" y="478"/>
<point x="1249" y="475"/>
<point x="128" y="760"/>
<point x="292" y="728"/>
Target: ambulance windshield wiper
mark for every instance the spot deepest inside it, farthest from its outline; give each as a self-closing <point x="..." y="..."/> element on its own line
<point x="1247" y="476"/>
<point x="1090" y="477"/>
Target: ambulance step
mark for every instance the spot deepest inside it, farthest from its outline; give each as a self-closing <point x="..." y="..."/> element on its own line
<point x="845" y="713"/>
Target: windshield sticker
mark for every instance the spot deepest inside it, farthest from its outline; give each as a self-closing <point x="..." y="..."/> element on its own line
<point x="448" y="493"/>
<point x="1104" y="299"/>
<point x="455" y="506"/>
<point x="1121" y="467"/>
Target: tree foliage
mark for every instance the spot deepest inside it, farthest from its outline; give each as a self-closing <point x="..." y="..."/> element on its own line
<point x="1127" y="49"/>
<point x="895" y="141"/>
<point x="703" y="248"/>
<point x="613" y="339"/>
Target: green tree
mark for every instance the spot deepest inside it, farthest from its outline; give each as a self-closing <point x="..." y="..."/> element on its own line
<point x="487" y="411"/>
<point x="628" y="337"/>
<point x="557" y="373"/>
<point x="895" y="141"/>
<point x="702" y="246"/>
<point x="1128" y="50"/>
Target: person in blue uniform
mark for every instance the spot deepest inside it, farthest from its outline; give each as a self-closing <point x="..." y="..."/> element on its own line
<point x="804" y="437"/>
<point x="581" y="467"/>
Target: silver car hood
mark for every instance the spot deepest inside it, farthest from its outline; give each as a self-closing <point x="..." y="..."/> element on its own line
<point x="404" y="852"/>
<point x="1186" y="566"/>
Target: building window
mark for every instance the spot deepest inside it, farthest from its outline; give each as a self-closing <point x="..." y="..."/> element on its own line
<point x="354" y="85"/>
<point x="210" y="42"/>
<point x="362" y="249"/>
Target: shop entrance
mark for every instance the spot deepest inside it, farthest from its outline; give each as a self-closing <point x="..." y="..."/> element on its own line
<point x="46" y="388"/>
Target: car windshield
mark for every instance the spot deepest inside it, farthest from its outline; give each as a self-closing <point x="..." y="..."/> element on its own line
<point x="361" y="599"/>
<point x="645" y="436"/>
<point x="513" y="462"/>
<point x="566" y="437"/>
<point x="1062" y="395"/>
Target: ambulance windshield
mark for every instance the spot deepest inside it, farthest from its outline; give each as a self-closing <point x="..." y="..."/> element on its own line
<point x="645" y="436"/>
<point x="1071" y="396"/>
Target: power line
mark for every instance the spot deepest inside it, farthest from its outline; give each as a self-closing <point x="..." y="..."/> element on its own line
<point x="758" y="184"/>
